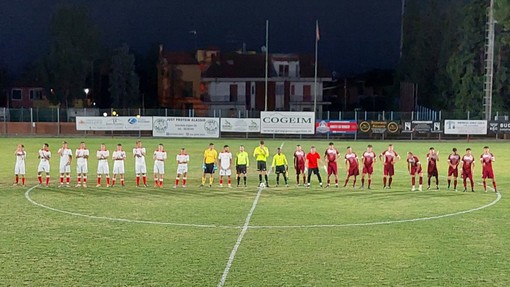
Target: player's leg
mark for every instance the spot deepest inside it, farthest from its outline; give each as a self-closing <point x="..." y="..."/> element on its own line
<point x="277" y="178"/>
<point x="62" y="176"/>
<point x="369" y="175"/>
<point x="484" y="180"/>
<point x="420" y="182"/>
<point x="309" y="176"/>
<point x="266" y="178"/>
<point x="330" y="172"/>
<point x="472" y="182"/>
<point x="449" y="180"/>
<point x="221" y="176"/>
<point x="385" y="176"/>
<point x="429" y="176"/>
<point x="122" y="183"/>
<point x="413" y="182"/>
<point x="436" y="175"/>
<point x="464" y="181"/>
<point x="177" y="178"/>
<point x="354" y="181"/>
<point x="347" y="175"/>
<point x="318" y="173"/>
<point x="285" y="178"/>
<point x="184" y="178"/>
<point x="494" y="184"/>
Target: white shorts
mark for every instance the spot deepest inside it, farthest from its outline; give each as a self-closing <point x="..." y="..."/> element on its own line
<point x="19" y="168"/>
<point x="82" y="168"/>
<point x="159" y="167"/>
<point x="227" y="172"/>
<point x="182" y="168"/>
<point x="102" y="167"/>
<point x="65" y="168"/>
<point x="43" y="166"/>
<point x="118" y="167"/>
<point x="140" y="168"/>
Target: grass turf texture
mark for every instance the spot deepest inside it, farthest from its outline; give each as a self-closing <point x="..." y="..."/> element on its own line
<point x="41" y="247"/>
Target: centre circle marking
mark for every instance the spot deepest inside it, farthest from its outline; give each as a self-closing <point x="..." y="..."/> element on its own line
<point x="27" y="196"/>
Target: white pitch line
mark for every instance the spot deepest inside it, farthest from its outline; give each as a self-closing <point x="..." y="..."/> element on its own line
<point x="379" y="222"/>
<point x="239" y="239"/>
<point x="27" y="196"/>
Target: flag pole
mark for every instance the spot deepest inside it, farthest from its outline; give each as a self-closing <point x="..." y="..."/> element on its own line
<point x="267" y="60"/>
<point x="315" y="76"/>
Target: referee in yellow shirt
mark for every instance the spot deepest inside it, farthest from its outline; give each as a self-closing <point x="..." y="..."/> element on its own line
<point x="261" y="153"/>
<point x="210" y="160"/>
<point x="242" y="161"/>
<point x="281" y="165"/>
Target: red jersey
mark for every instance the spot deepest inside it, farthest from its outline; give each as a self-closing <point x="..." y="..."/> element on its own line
<point x="454" y="159"/>
<point x="487" y="159"/>
<point x="432" y="160"/>
<point x="368" y="158"/>
<point x="331" y="154"/>
<point x="299" y="158"/>
<point x="467" y="161"/>
<point x="352" y="159"/>
<point x="313" y="160"/>
<point x="413" y="161"/>
<point x="389" y="156"/>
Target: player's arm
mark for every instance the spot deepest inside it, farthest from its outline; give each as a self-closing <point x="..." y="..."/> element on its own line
<point x="86" y="155"/>
<point x="154" y="156"/>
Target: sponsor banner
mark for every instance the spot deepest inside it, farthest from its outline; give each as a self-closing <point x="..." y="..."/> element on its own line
<point x="237" y="125"/>
<point x="287" y="123"/>
<point x="186" y="127"/>
<point x="336" y="127"/>
<point x="114" y="123"/>
<point x="421" y="127"/>
<point x="498" y="127"/>
<point x="378" y="127"/>
<point x="465" y="127"/>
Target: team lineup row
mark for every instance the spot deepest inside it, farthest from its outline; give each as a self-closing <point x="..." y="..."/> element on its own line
<point x="305" y="164"/>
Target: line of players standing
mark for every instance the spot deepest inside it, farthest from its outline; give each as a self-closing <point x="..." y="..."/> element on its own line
<point x="305" y="165"/>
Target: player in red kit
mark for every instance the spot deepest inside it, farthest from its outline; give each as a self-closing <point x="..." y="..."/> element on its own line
<point x="414" y="168"/>
<point x="453" y="168"/>
<point x="312" y="164"/>
<point x="487" y="158"/>
<point x="368" y="160"/>
<point x="432" y="159"/>
<point x="331" y="156"/>
<point x="352" y="166"/>
<point x="468" y="165"/>
<point x="388" y="157"/>
<point x="299" y="164"/>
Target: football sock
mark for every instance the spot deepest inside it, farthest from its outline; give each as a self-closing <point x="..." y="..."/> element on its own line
<point x="39" y="177"/>
<point x="413" y="181"/>
<point x="47" y="179"/>
<point x="390" y="180"/>
<point x="184" y="181"/>
<point x="144" y="179"/>
<point x="384" y="181"/>
<point x="137" y="180"/>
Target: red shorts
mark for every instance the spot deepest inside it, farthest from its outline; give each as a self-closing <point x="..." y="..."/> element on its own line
<point x="453" y="171"/>
<point x="300" y="168"/>
<point x="416" y="170"/>
<point x="368" y="169"/>
<point x="432" y="171"/>
<point x="487" y="173"/>
<point x="332" y="168"/>
<point x="467" y="173"/>
<point x="389" y="169"/>
<point x="353" y="171"/>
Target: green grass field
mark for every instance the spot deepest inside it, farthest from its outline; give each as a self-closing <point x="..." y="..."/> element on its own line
<point x="295" y="236"/>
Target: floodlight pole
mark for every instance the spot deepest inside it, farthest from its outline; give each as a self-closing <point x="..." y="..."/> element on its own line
<point x="267" y="64"/>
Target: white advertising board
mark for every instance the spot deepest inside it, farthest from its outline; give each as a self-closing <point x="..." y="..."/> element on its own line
<point x="287" y="123"/>
<point x="184" y="127"/>
<point x="114" y="123"/>
<point x="465" y="127"/>
<point x="237" y="125"/>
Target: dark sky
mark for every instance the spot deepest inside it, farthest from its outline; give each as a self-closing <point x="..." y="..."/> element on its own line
<point x="356" y="35"/>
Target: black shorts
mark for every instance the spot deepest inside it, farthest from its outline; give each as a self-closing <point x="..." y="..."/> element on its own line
<point x="209" y="168"/>
<point x="280" y="169"/>
<point x="261" y="166"/>
<point x="313" y="170"/>
<point x="241" y="169"/>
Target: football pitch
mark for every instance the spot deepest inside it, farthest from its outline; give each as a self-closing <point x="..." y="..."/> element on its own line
<point x="277" y="236"/>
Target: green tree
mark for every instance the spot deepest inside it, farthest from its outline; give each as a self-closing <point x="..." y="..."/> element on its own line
<point x="74" y="45"/>
<point x="124" y="82"/>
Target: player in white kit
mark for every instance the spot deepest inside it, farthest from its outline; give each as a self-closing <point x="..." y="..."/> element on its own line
<point x="225" y="158"/>
<point x="19" y="168"/>
<point x="159" y="165"/>
<point x="119" y="156"/>
<point x="66" y="155"/>
<point x="140" y="167"/>
<point x="82" y="155"/>
<point x="182" y="167"/>
<point x="102" y="165"/>
<point x="44" y="164"/>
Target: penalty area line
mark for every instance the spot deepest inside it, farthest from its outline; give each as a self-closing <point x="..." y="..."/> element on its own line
<point x="239" y="240"/>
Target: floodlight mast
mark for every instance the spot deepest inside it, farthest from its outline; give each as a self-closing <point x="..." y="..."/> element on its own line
<point x="489" y="63"/>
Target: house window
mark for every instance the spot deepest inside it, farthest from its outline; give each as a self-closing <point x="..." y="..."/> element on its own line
<point x="233" y="93"/>
<point x="16" y="94"/>
<point x="279" y="94"/>
<point x="36" y="94"/>
<point x="292" y="90"/>
<point x="283" y="70"/>
<point x="307" y="93"/>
